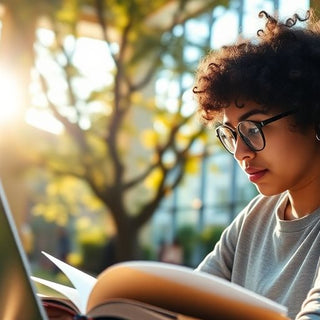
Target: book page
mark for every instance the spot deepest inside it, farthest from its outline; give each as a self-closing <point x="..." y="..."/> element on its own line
<point x="82" y="282"/>
<point x="70" y="293"/>
<point x="182" y="290"/>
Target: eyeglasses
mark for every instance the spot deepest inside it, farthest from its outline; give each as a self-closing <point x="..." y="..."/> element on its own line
<point x="249" y="131"/>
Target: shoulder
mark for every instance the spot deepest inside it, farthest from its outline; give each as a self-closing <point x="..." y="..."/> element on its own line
<point x="261" y="210"/>
<point x="259" y="216"/>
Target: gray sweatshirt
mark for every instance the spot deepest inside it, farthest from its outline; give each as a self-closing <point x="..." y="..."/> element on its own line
<point x="276" y="258"/>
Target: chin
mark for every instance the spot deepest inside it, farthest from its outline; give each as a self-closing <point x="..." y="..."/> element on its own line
<point x="267" y="190"/>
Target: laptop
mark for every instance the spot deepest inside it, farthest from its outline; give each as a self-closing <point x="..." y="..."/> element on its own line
<point x="18" y="298"/>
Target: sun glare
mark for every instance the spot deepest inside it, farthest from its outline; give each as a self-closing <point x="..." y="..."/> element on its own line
<point x="9" y="97"/>
<point x="44" y="121"/>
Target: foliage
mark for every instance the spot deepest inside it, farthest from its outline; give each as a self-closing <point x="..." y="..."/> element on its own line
<point x="187" y="236"/>
<point x="192" y="240"/>
<point x="210" y="236"/>
<point x="129" y="149"/>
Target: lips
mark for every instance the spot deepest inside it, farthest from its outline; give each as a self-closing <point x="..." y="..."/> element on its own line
<point x="255" y="174"/>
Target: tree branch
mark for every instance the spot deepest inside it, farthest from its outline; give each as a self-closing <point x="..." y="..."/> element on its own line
<point x="72" y="128"/>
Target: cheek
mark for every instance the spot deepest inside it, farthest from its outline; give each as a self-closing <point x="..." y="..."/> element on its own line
<point x="291" y="159"/>
<point x="292" y="155"/>
<point x="285" y="144"/>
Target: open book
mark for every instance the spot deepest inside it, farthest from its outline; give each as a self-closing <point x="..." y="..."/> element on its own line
<point x="155" y="290"/>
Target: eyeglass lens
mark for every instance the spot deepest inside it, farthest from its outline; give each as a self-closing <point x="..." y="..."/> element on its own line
<point x="250" y="133"/>
<point x="227" y="138"/>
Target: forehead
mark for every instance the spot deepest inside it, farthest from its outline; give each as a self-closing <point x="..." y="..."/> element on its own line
<point x="234" y="114"/>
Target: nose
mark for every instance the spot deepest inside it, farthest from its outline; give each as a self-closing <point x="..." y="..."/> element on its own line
<point x="242" y="151"/>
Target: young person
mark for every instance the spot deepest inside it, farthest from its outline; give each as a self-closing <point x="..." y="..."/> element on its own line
<point x="265" y="96"/>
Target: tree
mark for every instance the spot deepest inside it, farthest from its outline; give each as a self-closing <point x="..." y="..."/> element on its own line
<point x="101" y="154"/>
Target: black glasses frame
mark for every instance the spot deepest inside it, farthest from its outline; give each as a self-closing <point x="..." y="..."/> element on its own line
<point x="259" y="124"/>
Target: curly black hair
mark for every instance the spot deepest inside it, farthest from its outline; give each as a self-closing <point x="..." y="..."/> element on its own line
<point x="279" y="70"/>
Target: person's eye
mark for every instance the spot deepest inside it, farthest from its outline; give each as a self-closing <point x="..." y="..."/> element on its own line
<point x="253" y="131"/>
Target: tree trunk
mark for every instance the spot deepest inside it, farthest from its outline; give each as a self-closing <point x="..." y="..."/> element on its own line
<point x="126" y="243"/>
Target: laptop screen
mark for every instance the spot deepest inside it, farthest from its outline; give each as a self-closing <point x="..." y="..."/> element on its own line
<point x="17" y="294"/>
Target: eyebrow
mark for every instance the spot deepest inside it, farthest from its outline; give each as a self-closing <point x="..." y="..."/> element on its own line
<point x="248" y="114"/>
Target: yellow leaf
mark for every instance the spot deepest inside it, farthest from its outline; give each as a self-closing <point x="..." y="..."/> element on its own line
<point x="68" y="11"/>
<point x="164" y="120"/>
<point x="92" y="202"/>
<point x="52" y="189"/>
<point x="83" y="223"/>
<point x="92" y="236"/>
<point x="154" y="179"/>
<point x="192" y="166"/>
<point x="149" y="138"/>
<point x="183" y="139"/>
<point x="137" y="98"/>
<point x="38" y="209"/>
<point x="74" y="259"/>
